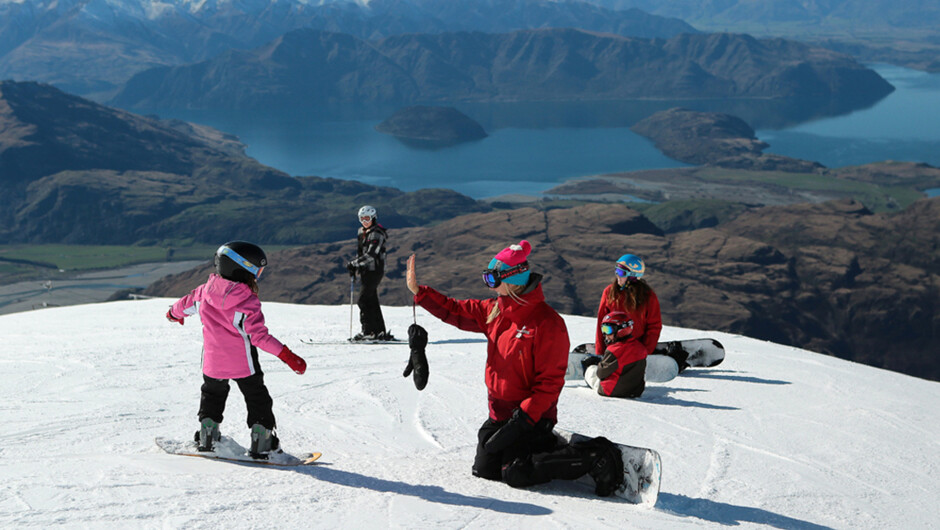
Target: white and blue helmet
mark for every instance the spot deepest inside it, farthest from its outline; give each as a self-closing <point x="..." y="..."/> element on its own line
<point x="630" y="266"/>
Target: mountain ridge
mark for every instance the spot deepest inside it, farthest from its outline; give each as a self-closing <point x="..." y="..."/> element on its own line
<point x="527" y="65"/>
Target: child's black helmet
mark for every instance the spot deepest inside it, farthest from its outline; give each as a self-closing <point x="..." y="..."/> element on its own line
<point x="240" y="261"/>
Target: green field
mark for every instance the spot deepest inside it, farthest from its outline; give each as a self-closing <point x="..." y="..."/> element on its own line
<point x="25" y="262"/>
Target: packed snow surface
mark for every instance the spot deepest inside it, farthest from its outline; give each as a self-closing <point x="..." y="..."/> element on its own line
<point x="775" y="437"/>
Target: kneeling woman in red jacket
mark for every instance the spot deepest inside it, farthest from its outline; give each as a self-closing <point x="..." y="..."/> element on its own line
<point x="527" y="352"/>
<point x="621" y="371"/>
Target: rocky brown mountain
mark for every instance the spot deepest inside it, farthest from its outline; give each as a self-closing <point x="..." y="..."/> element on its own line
<point x="830" y="277"/>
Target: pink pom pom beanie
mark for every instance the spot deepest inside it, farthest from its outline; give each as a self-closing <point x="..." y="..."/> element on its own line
<point x="510" y="257"/>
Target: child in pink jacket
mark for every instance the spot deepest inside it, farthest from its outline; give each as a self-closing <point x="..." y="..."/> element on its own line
<point x="233" y="329"/>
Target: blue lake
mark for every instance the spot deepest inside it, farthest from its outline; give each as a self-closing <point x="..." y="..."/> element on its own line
<point x="535" y="146"/>
<point x="903" y="126"/>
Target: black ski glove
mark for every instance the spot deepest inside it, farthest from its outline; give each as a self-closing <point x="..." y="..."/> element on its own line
<point x="508" y="434"/>
<point x="418" y="362"/>
<point x="590" y="360"/>
<point x="351" y="268"/>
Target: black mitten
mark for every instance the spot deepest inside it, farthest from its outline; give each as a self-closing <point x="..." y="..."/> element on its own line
<point x="418" y="362"/>
<point x="590" y="360"/>
<point x="520" y="423"/>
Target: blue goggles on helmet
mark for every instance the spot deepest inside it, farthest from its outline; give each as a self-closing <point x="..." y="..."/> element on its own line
<point x="622" y="271"/>
<point x="610" y="329"/>
<point x="241" y="262"/>
<point x="493" y="277"/>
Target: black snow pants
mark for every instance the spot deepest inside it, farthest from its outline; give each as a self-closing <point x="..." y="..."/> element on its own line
<point x="257" y="398"/>
<point x="370" y="312"/>
<point x="537" y="458"/>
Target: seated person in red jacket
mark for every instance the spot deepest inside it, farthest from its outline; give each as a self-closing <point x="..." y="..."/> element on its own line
<point x="621" y="371"/>
<point x="526" y="356"/>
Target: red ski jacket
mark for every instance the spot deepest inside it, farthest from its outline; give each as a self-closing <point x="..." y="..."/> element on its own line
<point x="620" y="357"/>
<point x="526" y="352"/>
<point x="647" y="322"/>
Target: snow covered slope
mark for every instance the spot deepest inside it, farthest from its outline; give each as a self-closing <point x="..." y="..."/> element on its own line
<point x="774" y="437"/>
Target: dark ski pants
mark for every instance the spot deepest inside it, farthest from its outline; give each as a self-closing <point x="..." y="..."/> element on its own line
<point x="536" y="459"/>
<point x="257" y="398"/>
<point x="370" y="312"/>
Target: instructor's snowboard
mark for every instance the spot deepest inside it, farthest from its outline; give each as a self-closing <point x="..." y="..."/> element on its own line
<point x="642" y="471"/>
<point x="703" y="353"/>
<point x="659" y="368"/>
<point x="231" y="451"/>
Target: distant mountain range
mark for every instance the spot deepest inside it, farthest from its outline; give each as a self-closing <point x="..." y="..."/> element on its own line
<point x="310" y="68"/>
<point x="90" y="47"/>
<point x="74" y="171"/>
<point x="792" y="17"/>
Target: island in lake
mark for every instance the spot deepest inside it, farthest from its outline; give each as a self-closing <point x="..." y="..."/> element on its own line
<point x="426" y="126"/>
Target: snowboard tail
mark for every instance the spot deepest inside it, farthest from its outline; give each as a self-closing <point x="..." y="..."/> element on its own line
<point x="703" y="353"/>
<point x="642" y="470"/>
<point x="229" y="450"/>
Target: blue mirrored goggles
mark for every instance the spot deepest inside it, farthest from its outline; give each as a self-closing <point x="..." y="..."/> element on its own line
<point x="610" y="329"/>
<point x="242" y="262"/>
<point x="493" y="277"/>
<point x="622" y="271"/>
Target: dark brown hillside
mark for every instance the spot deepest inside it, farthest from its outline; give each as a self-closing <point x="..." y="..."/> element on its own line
<point x="74" y="171"/>
<point x="829" y="277"/>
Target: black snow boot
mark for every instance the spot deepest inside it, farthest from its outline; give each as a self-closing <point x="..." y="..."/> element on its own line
<point x="681" y="356"/>
<point x="263" y="442"/>
<point x="607" y="470"/>
<point x="207" y="435"/>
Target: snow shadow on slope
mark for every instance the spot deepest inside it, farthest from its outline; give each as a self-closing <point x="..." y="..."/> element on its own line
<point x="660" y="395"/>
<point x="729" y="514"/>
<point x="721" y="374"/>
<point x="429" y="493"/>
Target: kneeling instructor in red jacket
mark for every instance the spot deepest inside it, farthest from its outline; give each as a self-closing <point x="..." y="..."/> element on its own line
<point x="527" y="354"/>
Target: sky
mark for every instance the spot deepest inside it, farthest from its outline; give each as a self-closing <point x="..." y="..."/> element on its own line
<point x="774" y="437"/>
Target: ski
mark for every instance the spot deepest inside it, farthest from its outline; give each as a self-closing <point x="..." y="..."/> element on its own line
<point x="350" y="342"/>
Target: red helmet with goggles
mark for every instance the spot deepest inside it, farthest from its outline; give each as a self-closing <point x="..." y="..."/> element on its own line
<point x="616" y="326"/>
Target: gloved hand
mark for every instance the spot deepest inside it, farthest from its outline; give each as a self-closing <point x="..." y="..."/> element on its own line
<point x="171" y="318"/>
<point x="508" y="434"/>
<point x="352" y="268"/>
<point x="590" y="360"/>
<point x="291" y="359"/>
<point x="418" y="362"/>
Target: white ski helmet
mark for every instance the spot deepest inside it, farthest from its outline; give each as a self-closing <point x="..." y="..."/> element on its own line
<point x="367" y="211"/>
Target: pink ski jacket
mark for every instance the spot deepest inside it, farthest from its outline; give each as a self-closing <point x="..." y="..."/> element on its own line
<point x="231" y="323"/>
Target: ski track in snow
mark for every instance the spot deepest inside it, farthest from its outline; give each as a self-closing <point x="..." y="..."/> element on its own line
<point x="774" y="437"/>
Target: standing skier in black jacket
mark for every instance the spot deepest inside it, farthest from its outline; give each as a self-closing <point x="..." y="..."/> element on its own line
<point x="370" y="266"/>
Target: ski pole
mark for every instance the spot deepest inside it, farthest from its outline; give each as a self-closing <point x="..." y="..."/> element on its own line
<point x="352" y="287"/>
